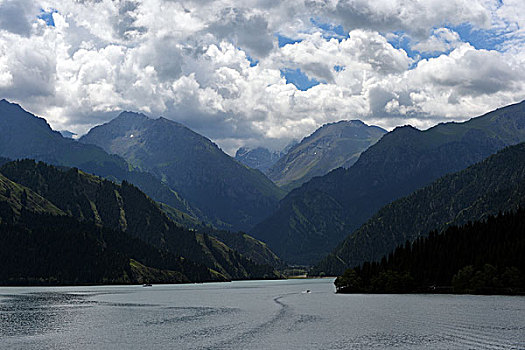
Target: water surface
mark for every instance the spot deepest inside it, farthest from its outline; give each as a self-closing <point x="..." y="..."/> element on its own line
<point x="253" y="315"/>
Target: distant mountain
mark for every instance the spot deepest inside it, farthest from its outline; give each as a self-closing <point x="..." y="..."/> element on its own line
<point x="484" y="257"/>
<point x="259" y="158"/>
<point x="67" y="134"/>
<point x="487" y="188"/>
<point x="23" y="135"/>
<point x="313" y="219"/>
<point x="228" y="194"/>
<point x="125" y="208"/>
<point x="331" y="146"/>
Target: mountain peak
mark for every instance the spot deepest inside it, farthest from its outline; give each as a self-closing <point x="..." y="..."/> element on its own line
<point x="226" y="192"/>
<point x="406" y="127"/>
<point x="257" y="158"/>
<point x="331" y="146"/>
<point x="171" y="122"/>
<point x="6" y="103"/>
<point x="129" y="115"/>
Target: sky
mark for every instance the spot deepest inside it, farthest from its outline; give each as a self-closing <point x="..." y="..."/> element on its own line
<point x="262" y="72"/>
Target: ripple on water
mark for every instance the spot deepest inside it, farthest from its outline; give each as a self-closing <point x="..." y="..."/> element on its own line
<point x="189" y="314"/>
<point x="267" y="316"/>
<point x="39" y="313"/>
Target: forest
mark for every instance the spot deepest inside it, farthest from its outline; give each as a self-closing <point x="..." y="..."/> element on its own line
<point x="482" y="257"/>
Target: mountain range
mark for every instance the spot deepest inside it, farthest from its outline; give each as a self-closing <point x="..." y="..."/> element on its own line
<point x="24" y="135"/>
<point x="331" y="146"/>
<point x="492" y="186"/>
<point x="152" y="200"/>
<point x="312" y="219"/>
<point x="27" y="136"/>
<point x="259" y="158"/>
<point x="121" y="208"/>
<point x="227" y="193"/>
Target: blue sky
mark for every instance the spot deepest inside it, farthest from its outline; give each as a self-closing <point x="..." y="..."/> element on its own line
<point x="47" y="16"/>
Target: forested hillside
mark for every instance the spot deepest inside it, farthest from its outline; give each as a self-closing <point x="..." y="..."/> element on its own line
<point x="125" y="208"/>
<point x="484" y="257"/>
<point x="494" y="185"/>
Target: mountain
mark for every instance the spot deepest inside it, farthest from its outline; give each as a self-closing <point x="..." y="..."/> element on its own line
<point x="41" y="244"/>
<point x="19" y="198"/>
<point x="331" y="146"/>
<point x="259" y="158"/>
<point x="67" y="134"/>
<point x="484" y="257"/>
<point x="23" y="135"/>
<point x="125" y="208"/>
<point x="487" y="188"/>
<point x="313" y="219"/>
<point x="248" y="246"/>
<point x="229" y="194"/>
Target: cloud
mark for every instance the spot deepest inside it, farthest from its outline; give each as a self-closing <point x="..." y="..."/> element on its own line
<point x="246" y="28"/>
<point x="217" y="66"/>
<point x="441" y="40"/>
<point x="414" y="17"/>
<point x="15" y="16"/>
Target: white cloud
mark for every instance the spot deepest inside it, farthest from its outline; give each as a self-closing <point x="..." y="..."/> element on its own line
<point x="190" y="61"/>
<point x="442" y="40"/>
<point x="415" y="17"/>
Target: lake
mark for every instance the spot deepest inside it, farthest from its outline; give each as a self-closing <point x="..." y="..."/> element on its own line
<point x="253" y="315"/>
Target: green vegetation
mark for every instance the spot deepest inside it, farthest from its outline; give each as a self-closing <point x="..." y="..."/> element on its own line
<point x="484" y="257"/>
<point x="44" y="249"/>
<point x="314" y="218"/>
<point x="494" y="185"/>
<point x="125" y="208"/>
<point x="19" y="197"/>
<point x="248" y="246"/>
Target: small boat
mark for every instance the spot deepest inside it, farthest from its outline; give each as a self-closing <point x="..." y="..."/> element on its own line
<point x="146" y="285"/>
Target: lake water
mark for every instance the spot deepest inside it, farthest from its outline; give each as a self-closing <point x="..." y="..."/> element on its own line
<point x="253" y="315"/>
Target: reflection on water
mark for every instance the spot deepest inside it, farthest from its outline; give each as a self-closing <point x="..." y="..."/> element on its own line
<point x="37" y="313"/>
<point x="254" y="315"/>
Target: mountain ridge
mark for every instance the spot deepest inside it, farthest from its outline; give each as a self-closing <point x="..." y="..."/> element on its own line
<point x="230" y="195"/>
<point x="404" y="160"/>
<point x="125" y="208"/>
<point x="331" y="146"/>
<point x="497" y="184"/>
